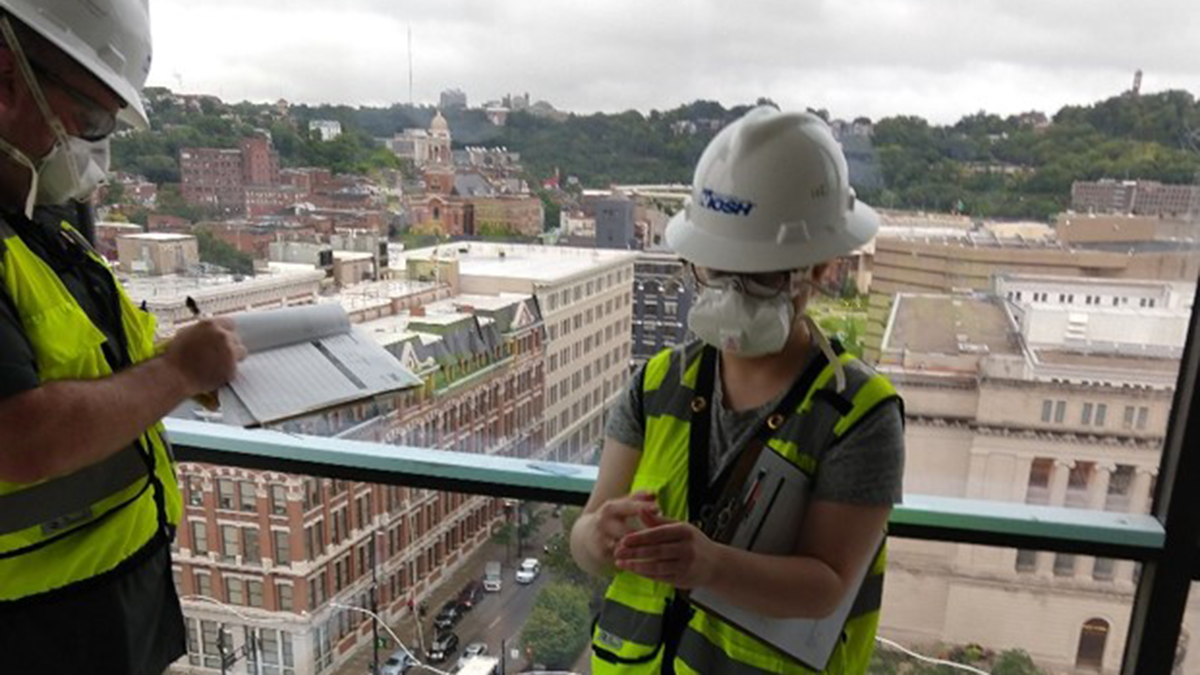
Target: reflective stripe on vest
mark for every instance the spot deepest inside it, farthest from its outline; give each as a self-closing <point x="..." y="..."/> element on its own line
<point x="57" y="504"/>
<point x="62" y="531"/>
<point x="632" y="613"/>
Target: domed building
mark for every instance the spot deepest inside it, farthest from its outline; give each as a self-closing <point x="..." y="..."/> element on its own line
<point x="439" y="140"/>
<point x="425" y="147"/>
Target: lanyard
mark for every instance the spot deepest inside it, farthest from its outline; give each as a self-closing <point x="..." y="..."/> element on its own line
<point x="710" y="505"/>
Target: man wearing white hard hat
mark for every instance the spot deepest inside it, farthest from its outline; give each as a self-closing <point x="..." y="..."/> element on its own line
<point x="771" y="206"/>
<point x="88" y="497"/>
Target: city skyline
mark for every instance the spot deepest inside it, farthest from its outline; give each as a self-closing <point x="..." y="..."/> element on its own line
<point x="934" y="59"/>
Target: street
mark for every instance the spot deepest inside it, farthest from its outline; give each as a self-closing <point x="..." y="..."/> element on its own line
<point x="497" y="618"/>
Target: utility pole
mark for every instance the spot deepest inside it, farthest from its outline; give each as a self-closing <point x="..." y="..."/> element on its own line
<point x="520" y="527"/>
<point x="230" y="656"/>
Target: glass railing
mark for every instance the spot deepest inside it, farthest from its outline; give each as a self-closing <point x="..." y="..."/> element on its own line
<point x="424" y="526"/>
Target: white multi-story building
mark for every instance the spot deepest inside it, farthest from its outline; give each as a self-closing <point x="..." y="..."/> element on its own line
<point x="278" y="285"/>
<point x="1021" y="396"/>
<point x="327" y="129"/>
<point x="585" y="296"/>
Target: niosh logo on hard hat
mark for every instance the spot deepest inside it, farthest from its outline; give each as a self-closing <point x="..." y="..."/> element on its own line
<point x="715" y="201"/>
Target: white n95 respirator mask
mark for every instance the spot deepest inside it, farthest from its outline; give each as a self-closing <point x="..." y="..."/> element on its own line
<point x="727" y="318"/>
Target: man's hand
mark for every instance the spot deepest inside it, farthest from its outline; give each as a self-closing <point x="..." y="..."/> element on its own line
<point x="670" y="551"/>
<point x="616" y="518"/>
<point x="206" y="355"/>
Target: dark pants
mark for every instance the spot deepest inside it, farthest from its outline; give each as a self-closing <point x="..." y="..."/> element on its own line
<point x="125" y="622"/>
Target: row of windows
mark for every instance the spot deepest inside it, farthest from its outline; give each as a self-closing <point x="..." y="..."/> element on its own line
<point x="1068" y="565"/>
<point x="1081" y="474"/>
<point x="1095" y="414"/>
<point x="564" y="356"/>
<point x="275" y="647"/>
<point x="236" y="590"/>
<point x="584" y="290"/>
<point x="1094" y="300"/>
<point x="587" y="318"/>
<point x="242" y="541"/>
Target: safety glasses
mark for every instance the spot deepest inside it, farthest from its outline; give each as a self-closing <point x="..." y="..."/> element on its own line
<point x="763" y="285"/>
<point x="94" y="121"/>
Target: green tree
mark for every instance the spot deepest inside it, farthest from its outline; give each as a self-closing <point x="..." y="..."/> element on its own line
<point x="217" y="252"/>
<point x="557" y="628"/>
<point x="504" y="534"/>
<point x="1015" y="662"/>
<point x="114" y="193"/>
<point x="530" y="520"/>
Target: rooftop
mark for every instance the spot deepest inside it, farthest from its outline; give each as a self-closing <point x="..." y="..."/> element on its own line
<point x="376" y="293"/>
<point x="976" y="240"/>
<point x="1097" y="361"/>
<point x="487" y="303"/>
<point x="156" y="236"/>
<point x="172" y="288"/>
<point x="522" y="261"/>
<point x="1061" y="281"/>
<point x="946" y="324"/>
<point x="353" y="255"/>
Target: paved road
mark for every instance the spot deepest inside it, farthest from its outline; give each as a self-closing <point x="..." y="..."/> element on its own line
<point x="498" y="616"/>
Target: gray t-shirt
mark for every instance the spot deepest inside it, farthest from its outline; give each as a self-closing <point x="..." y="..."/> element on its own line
<point x="865" y="467"/>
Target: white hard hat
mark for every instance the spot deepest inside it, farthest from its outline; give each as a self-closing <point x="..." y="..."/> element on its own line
<point x="771" y="193"/>
<point x="110" y="38"/>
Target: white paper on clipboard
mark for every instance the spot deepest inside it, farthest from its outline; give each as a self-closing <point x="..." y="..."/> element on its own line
<point x="303" y="360"/>
<point x="771" y="527"/>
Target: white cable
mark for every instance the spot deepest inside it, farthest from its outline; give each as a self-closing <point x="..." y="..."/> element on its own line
<point x="233" y="610"/>
<point x="926" y="659"/>
<point x="395" y="637"/>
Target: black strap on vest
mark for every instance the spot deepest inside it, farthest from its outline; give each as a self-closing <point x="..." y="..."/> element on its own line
<point x="704" y="497"/>
<point x="164" y="523"/>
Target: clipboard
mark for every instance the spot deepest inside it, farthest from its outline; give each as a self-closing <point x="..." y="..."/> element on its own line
<point x="769" y="523"/>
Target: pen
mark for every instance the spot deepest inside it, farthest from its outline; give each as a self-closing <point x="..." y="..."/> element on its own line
<point x="209" y="400"/>
<point x="755" y="490"/>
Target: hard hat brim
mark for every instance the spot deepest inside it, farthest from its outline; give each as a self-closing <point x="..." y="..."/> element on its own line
<point x="705" y="248"/>
<point x="134" y="112"/>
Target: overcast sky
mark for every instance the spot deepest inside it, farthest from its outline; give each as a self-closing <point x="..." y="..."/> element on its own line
<point x="936" y="58"/>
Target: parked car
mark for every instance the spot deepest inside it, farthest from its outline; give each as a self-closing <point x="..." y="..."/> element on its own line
<point x="470" y="595"/>
<point x="443" y="646"/>
<point x="397" y="664"/>
<point x="447" y="616"/>
<point x="530" y="568"/>
<point x="469" y="652"/>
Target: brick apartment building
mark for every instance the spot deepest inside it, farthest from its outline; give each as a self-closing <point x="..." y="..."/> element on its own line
<point x="232" y="181"/>
<point x="284" y="549"/>
<point x="213" y="178"/>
